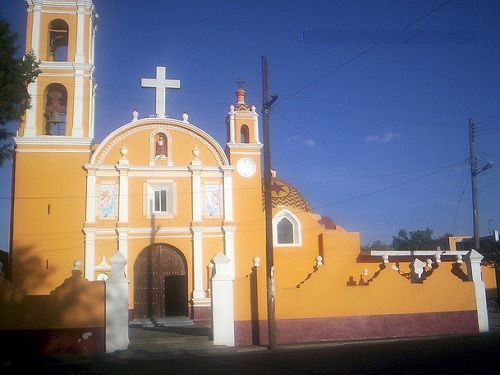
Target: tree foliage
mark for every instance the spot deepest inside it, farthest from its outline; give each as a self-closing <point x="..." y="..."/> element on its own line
<point x="15" y="75"/>
<point x="419" y="240"/>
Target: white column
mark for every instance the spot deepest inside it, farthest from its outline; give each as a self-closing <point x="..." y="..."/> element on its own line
<point x="228" y="193"/>
<point x="474" y="271"/>
<point x="196" y="192"/>
<point x="35" y="31"/>
<point x="123" y="193"/>
<point x="123" y="242"/>
<point x="80" y="22"/>
<point x="91" y="194"/>
<point x="30" y="127"/>
<point x="229" y="245"/>
<point x="117" y="305"/>
<point x="222" y="301"/>
<point x="78" y="105"/>
<point x="256" y="126"/>
<point x="198" y="292"/>
<point x="231" y="124"/>
<point x="89" y="253"/>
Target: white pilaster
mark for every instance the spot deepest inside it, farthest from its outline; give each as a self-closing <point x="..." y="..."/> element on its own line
<point x="91" y="195"/>
<point x="196" y="192"/>
<point x="30" y="127"/>
<point x="474" y="268"/>
<point x="222" y="301"/>
<point x="198" y="292"/>
<point x="35" y="31"/>
<point x="78" y="105"/>
<point x="123" y="193"/>
<point x="231" y="125"/>
<point x="117" y="305"/>
<point x="123" y="242"/>
<point x="79" y="56"/>
<point x="229" y="245"/>
<point x="255" y="125"/>
<point x="228" y="193"/>
<point x="89" y="253"/>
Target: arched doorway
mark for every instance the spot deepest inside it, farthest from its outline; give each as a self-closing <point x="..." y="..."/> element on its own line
<point x="160" y="282"/>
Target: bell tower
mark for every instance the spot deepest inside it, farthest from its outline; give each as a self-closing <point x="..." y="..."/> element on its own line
<point x="53" y="143"/>
<point x="60" y="33"/>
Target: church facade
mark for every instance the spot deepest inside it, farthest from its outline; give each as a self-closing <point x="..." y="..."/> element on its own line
<point x="169" y="198"/>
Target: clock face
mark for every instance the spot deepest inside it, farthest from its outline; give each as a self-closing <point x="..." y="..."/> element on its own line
<point x="246" y="167"/>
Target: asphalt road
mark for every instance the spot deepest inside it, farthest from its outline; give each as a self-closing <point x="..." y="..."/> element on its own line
<point x="472" y="354"/>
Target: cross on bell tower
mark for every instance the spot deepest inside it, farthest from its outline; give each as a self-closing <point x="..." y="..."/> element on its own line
<point x="161" y="84"/>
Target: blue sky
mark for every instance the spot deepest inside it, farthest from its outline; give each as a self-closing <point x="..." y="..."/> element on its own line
<point x="373" y="132"/>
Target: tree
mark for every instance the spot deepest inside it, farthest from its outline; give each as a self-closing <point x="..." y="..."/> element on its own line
<point x="415" y="240"/>
<point x="15" y="75"/>
<point x="377" y="246"/>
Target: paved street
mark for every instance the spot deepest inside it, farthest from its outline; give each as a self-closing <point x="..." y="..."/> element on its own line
<point x="472" y="354"/>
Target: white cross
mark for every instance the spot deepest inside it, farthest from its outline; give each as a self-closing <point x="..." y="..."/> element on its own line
<point x="160" y="83"/>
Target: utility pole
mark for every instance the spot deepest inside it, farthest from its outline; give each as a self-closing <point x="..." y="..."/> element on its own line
<point x="473" y="176"/>
<point x="266" y="106"/>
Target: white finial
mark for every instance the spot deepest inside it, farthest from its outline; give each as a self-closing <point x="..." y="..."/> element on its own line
<point x="135" y="116"/>
<point x="365" y="272"/>
<point x="253" y="109"/>
<point x="124" y="152"/>
<point x="196" y="152"/>
<point x="256" y="261"/>
<point x="231" y="108"/>
<point x="459" y="258"/>
<point x="77" y="265"/>
<point x="319" y="260"/>
<point x="185" y="117"/>
<point x="385" y="257"/>
<point x="160" y="83"/>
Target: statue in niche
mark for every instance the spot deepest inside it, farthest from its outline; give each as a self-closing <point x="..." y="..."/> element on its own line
<point x="161" y="147"/>
<point x="55" y="113"/>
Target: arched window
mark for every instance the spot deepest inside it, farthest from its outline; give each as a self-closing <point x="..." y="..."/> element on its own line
<point x="58" y="41"/>
<point x="286" y="229"/>
<point x="244" y="134"/>
<point x="56" y="99"/>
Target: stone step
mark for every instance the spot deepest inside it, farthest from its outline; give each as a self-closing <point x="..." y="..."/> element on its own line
<point x="170" y="321"/>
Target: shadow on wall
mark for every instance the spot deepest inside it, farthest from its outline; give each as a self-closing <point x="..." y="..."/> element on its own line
<point x="70" y="319"/>
<point x="33" y="272"/>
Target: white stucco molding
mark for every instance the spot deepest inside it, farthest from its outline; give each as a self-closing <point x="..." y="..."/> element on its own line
<point x="119" y="135"/>
<point x="474" y="271"/>
<point x="222" y="301"/>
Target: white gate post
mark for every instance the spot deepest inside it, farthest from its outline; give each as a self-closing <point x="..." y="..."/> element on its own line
<point x="474" y="265"/>
<point x="117" y="305"/>
<point x="222" y="301"/>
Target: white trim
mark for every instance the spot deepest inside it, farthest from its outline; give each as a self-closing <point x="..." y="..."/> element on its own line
<point x="123" y="195"/>
<point x="65" y="65"/>
<point x="77" y="130"/>
<point x="232" y="138"/>
<point x="474" y="265"/>
<point x="245" y="146"/>
<point x="196" y="193"/>
<point x="148" y="198"/>
<point x="52" y="150"/>
<point x="198" y="290"/>
<point x="55" y="140"/>
<point x="228" y="194"/>
<point x="90" y="235"/>
<point x="297" y="228"/>
<point x="80" y="23"/>
<point x="229" y="246"/>
<point x="30" y="126"/>
<point x="35" y="31"/>
<point x="168" y="124"/>
<point x="123" y="242"/>
<point x="378" y="253"/>
<point x="256" y="128"/>
<point x="91" y="197"/>
<point x="61" y="3"/>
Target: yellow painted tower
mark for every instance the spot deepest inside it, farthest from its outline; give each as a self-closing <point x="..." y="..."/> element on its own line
<point x="53" y="142"/>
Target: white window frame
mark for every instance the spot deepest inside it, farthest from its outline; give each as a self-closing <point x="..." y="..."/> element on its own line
<point x="297" y="229"/>
<point x="150" y="188"/>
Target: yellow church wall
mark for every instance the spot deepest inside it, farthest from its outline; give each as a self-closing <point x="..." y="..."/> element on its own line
<point x="490" y="280"/>
<point x="48" y="208"/>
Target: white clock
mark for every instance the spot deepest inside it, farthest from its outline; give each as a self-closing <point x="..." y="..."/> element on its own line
<point x="246" y="167"/>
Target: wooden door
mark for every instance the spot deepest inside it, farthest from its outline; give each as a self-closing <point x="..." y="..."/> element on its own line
<point x="155" y="292"/>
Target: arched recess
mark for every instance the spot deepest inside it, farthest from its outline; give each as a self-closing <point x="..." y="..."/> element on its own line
<point x="160" y="282"/>
<point x="56" y="100"/>
<point x="244" y="134"/>
<point x="160" y="147"/>
<point x="58" y="40"/>
<point x="287" y="231"/>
